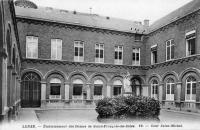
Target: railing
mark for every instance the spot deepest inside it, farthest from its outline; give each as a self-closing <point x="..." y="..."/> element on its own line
<point x="181" y="105"/>
<point x="97" y="97"/>
<point x="77" y="99"/>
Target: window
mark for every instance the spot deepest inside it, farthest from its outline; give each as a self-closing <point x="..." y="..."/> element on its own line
<point x="117" y="88"/>
<point x="138" y="37"/>
<point x="31" y="47"/>
<point x="56" y="49"/>
<point x="154" y="89"/>
<point x="77" y="89"/>
<point x="99" y="57"/>
<point x="98" y="86"/>
<point x="79" y="51"/>
<point x="190" y="43"/>
<point x="170" y="50"/>
<point x="119" y="55"/>
<point x="154" y="58"/>
<point x="170" y="85"/>
<point x="191" y="89"/>
<point x="136" y="56"/>
<point x="98" y="89"/>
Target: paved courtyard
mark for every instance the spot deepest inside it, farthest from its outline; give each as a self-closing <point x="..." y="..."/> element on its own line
<point x="187" y="120"/>
<point x="83" y="118"/>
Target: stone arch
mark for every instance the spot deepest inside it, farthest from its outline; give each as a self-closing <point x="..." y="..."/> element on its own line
<point x="189" y="70"/>
<point x="167" y="74"/>
<point x="55" y="72"/>
<point x="77" y="73"/>
<point x="98" y="74"/>
<point x="154" y="76"/>
<point x="32" y="70"/>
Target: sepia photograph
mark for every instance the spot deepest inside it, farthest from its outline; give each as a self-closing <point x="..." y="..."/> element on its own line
<point x="100" y="64"/>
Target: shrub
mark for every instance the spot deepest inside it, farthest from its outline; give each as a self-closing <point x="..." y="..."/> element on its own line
<point x="137" y="107"/>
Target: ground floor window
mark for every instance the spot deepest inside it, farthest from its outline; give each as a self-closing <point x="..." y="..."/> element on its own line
<point x="190" y="89"/>
<point x="77" y="89"/>
<point x="154" y="89"/>
<point x="117" y="90"/>
<point x="55" y="85"/>
<point x="98" y="90"/>
<point x="170" y="85"/>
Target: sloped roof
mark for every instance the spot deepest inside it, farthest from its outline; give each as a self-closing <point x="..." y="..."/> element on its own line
<point x="81" y="19"/>
<point x="175" y="15"/>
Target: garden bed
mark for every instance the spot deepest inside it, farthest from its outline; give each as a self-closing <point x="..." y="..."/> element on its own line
<point x="136" y="108"/>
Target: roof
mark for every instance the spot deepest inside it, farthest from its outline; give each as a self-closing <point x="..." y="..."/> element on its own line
<point x="81" y="19"/>
<point x="175" y="15"/>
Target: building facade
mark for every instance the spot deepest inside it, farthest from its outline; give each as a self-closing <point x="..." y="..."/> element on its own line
<point x="55" y="58"/>
<point x="77" y="58"/>
<point x="10" y="63"/>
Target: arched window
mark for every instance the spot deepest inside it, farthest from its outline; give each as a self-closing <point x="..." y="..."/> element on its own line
<point x="98" y="87"/>
<point x="117" y="88"/>
<point x="154" y="89"/>
<point x="170" y="85"/>
<point x="55" y="85"/>
<point x="191" y="89"/>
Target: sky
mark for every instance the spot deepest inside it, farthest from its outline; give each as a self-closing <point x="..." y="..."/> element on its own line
<point x="135" y="10"/>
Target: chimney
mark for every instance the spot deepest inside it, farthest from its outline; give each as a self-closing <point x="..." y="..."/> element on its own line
<point x="146" y="22"/>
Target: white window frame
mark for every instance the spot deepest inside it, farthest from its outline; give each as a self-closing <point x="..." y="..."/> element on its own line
<point x="33" y="42"/>
<point x="191" y="84"/>
<point x="78" y="45"/>
<point x="57" y="50"/>
<point x="98" y="47"/>
<point x="118" y="50"/>
<point x="154" y="90"/>
<point x="170" y="96"/>
<point x="170" y="49"/>
<point x="135" y="62"/>
<point x="194" y="37"/>
<point x="152" y="62"/>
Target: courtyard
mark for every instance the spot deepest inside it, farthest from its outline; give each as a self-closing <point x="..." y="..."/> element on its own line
<point x="82" y="118"/>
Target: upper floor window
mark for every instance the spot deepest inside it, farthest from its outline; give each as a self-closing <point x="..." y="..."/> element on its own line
<point x="31" y="47"/>
<point x="138" y="37"/>
<point x="190" y="43"/>
<point x="79" y="51"/>
<point x="136" y="56"/>
<point x="119" y="55"/>
<point x="99" y="49"/>
<point x="191" y="85"/>
<point x="170" y="50"/>
<point x="154" y="58"/>
<point x="170" y="85"/>
<point x="56" y="49"/>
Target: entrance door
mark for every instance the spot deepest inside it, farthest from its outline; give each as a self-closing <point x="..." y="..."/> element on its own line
<point x="31" y="90"/>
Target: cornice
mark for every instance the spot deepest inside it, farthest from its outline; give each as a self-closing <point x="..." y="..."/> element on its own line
<point x="88" y="64"/>
<point x="72" y="26"/>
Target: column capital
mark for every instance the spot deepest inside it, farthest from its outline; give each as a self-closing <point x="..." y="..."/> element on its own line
<point x="66" y="83"/>
<point x="88" y="83"/>
<point x="43" y="82"/>
<point x="178" y="83"/>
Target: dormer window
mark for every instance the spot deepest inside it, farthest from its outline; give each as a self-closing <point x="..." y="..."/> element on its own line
<point x="138" y="37"/>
